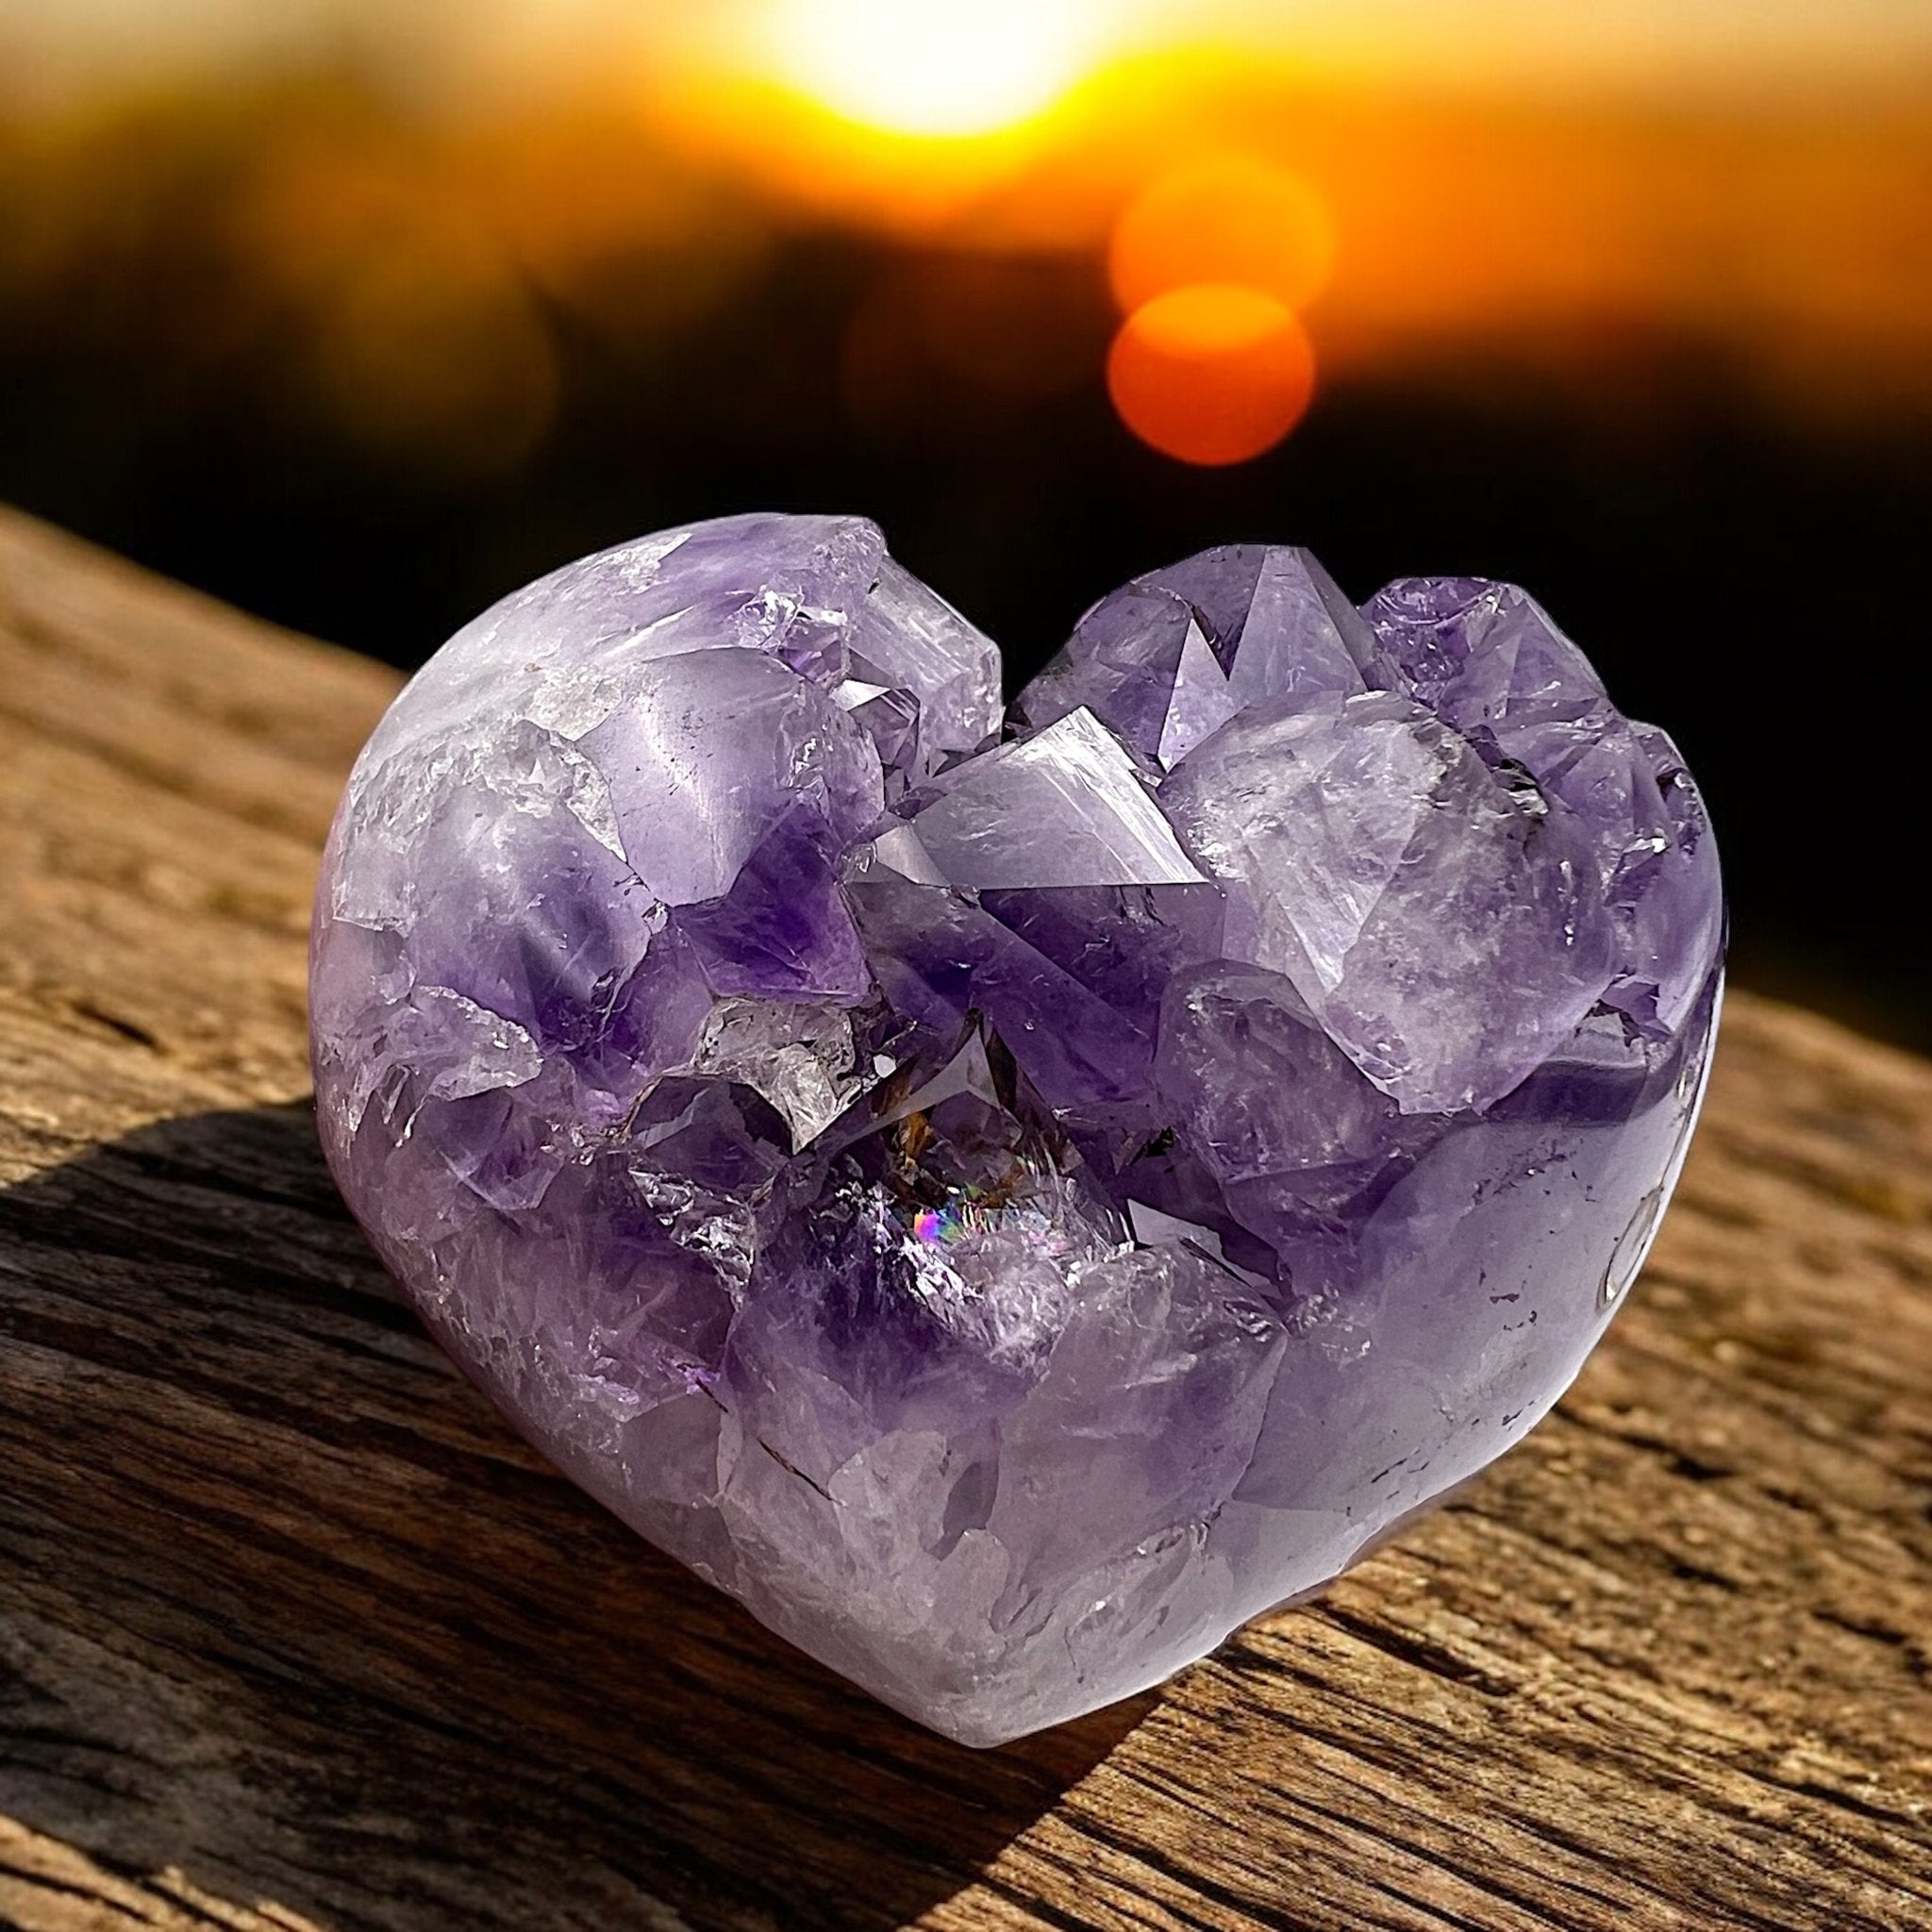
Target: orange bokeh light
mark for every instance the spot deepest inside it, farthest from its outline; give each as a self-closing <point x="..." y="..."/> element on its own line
<point x="1223" y="219"/>
<point x="1211" y="374"/>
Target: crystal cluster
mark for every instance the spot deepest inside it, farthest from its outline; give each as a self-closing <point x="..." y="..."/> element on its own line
<point x="1010" y="1196"/>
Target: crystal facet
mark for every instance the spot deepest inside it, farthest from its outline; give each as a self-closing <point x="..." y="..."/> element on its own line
<point x="1011" y="1201"/>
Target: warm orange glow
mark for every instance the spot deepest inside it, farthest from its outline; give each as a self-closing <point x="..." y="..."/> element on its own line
<point x="1225" y="219"/>
<point x="1783" y="238"/>
<point x="933" y="67"/>
<point x="411" y="329"/>
<point x="798" y="158"/>
<point x="1211" y="374"/>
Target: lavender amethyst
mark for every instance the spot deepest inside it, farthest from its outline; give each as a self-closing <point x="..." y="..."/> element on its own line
<point x="1010" y="1199"/>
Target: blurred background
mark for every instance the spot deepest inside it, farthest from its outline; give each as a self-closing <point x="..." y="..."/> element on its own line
<point x="360" y="313"/>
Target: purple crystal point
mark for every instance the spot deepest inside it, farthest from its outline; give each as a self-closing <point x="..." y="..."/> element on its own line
<point x="1010" y="1209"/>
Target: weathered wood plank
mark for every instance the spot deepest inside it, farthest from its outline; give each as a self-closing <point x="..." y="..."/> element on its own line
<point x="294" y="1633"/>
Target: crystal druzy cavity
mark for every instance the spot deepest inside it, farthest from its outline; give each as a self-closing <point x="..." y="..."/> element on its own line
<point x="1010" y="1196"/>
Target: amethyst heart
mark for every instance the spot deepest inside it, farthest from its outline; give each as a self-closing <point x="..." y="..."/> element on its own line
<point x="1011" y="1202"/>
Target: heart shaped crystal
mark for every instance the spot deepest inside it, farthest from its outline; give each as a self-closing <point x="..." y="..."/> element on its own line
<point x="1011" y="1202"/>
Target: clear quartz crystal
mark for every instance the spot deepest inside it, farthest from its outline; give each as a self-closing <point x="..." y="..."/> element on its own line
<point x="1011" y="1202"/>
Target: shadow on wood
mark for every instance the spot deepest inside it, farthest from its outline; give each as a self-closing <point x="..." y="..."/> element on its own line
<point x="358" y="1652"/>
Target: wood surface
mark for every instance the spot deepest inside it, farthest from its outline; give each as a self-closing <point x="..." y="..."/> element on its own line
<point x="294" y="1633"/>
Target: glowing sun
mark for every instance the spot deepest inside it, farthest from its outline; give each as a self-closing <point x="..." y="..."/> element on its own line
<point x="934" y="67"/>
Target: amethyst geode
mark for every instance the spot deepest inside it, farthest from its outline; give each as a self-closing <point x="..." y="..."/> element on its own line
<point x="1011" y="1200"/>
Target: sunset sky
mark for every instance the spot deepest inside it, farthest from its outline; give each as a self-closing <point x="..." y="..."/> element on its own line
<point x="865" y="51"/>
<point x="1529" y="173"/>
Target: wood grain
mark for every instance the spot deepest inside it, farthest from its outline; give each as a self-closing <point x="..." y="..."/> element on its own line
<point x="293" y="1633"/>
